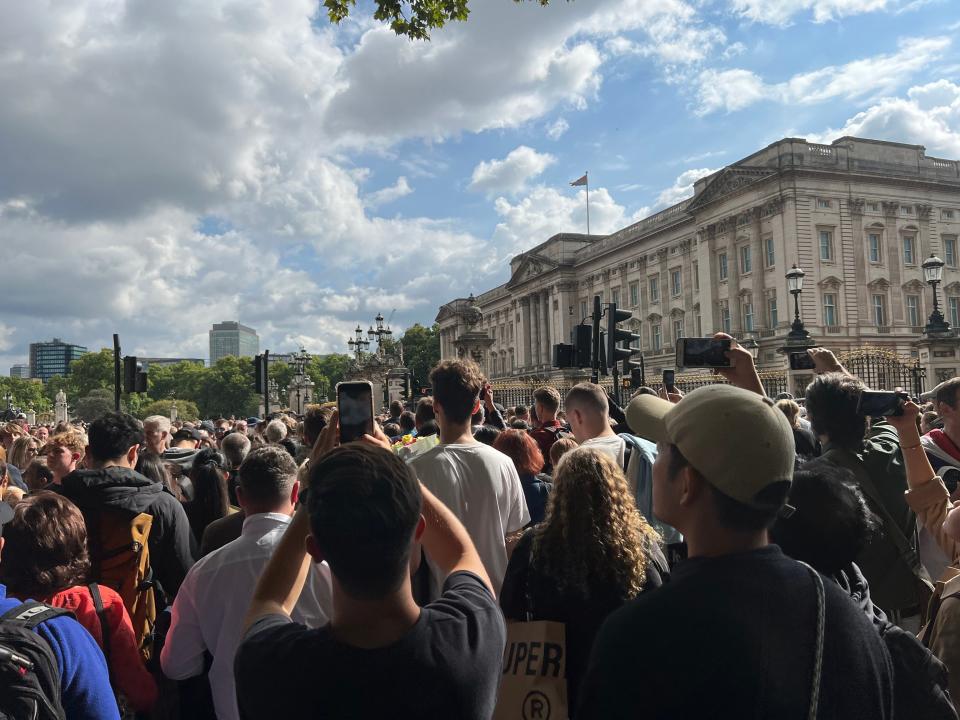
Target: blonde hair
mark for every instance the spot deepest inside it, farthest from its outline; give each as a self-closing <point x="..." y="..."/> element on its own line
<point x="18" y="451"/>
<point x="560" y="448"/>
<point x="74" y="440"/>
<point x="790" y="409"/>
<point x="593" y="534"/>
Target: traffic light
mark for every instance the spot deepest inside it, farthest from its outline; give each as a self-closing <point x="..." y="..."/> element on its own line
<point x="258" y="374"/>
<point x="134" y="378"/>
<point x="616" y="335"/>
<point x="582" y="336"/>
<point x="564" y="356"/>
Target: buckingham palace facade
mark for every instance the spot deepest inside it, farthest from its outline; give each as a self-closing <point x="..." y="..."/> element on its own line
<point x="859" y="217"/>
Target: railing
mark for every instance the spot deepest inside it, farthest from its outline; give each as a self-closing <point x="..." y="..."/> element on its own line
<point x="834" y="329"/>
<point x="883" y="330"/>
<point x="821" y="150"/>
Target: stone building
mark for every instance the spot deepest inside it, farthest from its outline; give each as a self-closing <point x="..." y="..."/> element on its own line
<point x="859" y="216"/>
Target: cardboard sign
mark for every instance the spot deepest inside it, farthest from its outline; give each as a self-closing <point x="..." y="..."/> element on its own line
<point x="534" y="681"/>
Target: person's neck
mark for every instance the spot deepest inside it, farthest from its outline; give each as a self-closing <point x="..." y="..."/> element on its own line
<point x="116" y="462"/>
<point x="717" y="543"/>
<point x="59" y="476"/>
<point x="456" y="433"/>
<point x="372" y="624"/>
<point x="156" y="449"/>
<point x="951" y="428"/>
<point x="248" y="509"/>
<point x="602" y="432"/>
<point x="544" y="419"/>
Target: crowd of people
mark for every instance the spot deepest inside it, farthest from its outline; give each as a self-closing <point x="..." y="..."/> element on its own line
<point x="715" y="554"/>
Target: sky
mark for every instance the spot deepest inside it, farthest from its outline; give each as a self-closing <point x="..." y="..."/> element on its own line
<point x="168" y="165"/>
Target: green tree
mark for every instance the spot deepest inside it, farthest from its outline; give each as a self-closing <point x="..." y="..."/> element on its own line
<point x="25" y="394"/>
<point x="412" y="18"/>
<point x="326" y="371"/>
<point x="421" y="350"/>
<point x="93" y="371"/>
<point x="186" y="410"/>
<point x="54" y="385"/>
<point x="94" y="404"/>
<point x="182" y="380"/>
<point x="282" y="374"/>
<point x="227" y="389"/>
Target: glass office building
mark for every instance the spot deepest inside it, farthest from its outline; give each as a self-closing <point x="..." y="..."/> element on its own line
<point x="53" y="358"/>
<point x="232" y="338"/>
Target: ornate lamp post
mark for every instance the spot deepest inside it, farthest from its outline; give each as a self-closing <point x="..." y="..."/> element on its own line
<point x="358" y="345"/>
<point x="798" y="333"/>
<point x="753" y="346"/>
<point x="380" y="333"/>
<point x="299" y="361"/>
<point x="933" y="274"/>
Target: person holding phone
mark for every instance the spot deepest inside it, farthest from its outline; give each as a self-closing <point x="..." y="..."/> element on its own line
<point x="381" y="655"/>
<point x="891" y="564"/>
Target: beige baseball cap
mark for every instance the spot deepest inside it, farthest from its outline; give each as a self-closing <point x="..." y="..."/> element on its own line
<point x="737" y="440"/>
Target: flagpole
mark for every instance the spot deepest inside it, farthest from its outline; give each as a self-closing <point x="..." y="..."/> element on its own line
<point x="587" y="176"/>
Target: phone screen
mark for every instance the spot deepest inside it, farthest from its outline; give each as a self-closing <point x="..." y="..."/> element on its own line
<point x="355" y="404"/>
<point x="880" y="403"/>
<point x="702" y="352"/>
<point x="668" y="378"/>
<point x="801" y="361"/>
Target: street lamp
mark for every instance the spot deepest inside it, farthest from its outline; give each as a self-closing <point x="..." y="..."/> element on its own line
<point x="380" y="333"/>
<point x="359" y="344"/>
<point x="752" y="345"/>
<point x="798" y="333"/>
<point x="299" y="361"/>
<point x="933" y="274"/>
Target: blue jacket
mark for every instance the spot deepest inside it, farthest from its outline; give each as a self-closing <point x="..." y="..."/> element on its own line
<point x="84" y="681"/>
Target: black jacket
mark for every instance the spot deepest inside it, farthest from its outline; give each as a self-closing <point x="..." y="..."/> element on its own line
<point x="170" y="550"/>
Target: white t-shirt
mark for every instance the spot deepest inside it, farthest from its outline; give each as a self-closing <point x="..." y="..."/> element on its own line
<point x="481" y="487"/>
<point x="612" y="445"/>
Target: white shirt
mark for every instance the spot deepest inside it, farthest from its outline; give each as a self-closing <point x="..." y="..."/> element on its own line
<point x="613" y="445"/>
<point x="481" y="487"/>
<point x="214" y="598"/>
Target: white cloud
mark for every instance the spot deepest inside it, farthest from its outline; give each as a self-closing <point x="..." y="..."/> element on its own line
<point x="682" y="187"/>
<point x="510" y="175"/>
<point x="928" y="116"/>
<point x="557" y="128"/>
<point x="546" y="211"/>
<point x="731" y="51"/>
<point x="781" y="12"/>
<point x="383" y="196"/>
<point x="736" y="89"/>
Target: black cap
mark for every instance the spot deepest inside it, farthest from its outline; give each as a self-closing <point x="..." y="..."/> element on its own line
<point x="187" y="434"/>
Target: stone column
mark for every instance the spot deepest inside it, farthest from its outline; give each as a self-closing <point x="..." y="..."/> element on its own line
<point x="525" y="331"/>
<point x="545" y="327"/>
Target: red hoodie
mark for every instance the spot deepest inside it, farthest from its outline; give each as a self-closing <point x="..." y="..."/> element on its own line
<point x="127" y="672"/>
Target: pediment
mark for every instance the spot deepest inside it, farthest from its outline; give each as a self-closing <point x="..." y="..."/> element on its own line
<point x="830" y="282"/>
<point x="952" y="289"/>
<point x="531" y="266"/>
<point x="654" y="317"/>
<point x="909" y="229"/>
<point x="881" y="284"/>
<point x="677" y="312"/>
<point x="727" y="181"/>
<point x="914" y="286"/>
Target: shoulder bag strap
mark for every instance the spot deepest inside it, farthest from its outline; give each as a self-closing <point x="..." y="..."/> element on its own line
<point x="102" y="616"/>
<point x="818" y="648"/>
<point x="893" y="530"/>
<point x="31" y="613"/>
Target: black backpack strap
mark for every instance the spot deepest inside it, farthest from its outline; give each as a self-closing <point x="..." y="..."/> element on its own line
<point x="32" y="613"/>
<point x="102" y="616"/>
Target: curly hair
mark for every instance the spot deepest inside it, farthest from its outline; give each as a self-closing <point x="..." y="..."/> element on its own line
<point x="593" y="534"/>
<point x="45" y="547"/>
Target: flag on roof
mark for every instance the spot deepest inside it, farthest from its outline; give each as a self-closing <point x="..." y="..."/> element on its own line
<point x="580" y="181"/>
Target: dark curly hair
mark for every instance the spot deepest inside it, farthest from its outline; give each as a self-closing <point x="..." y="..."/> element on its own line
<point x="112" y="434"/>
<point x="832" y="522"/>
<point x="46" y="547"/>
<point x="831" y="405"/>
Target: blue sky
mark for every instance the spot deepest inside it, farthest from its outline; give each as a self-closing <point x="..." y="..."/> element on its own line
<point x="170" y="165"/>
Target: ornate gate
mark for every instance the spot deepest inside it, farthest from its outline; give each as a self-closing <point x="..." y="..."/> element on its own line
<point x="882" y="369"/>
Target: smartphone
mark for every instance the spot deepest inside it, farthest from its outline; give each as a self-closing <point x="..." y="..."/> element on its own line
<point x="801" y="361"/>
<point x="355" y="405"/>
<point x="703" y="353"/>
<point x="881" y="403"/>
<point x="668" y="378"/>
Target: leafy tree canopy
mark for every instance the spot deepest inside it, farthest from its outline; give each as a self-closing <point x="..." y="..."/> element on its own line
<point x="411" y="18"/>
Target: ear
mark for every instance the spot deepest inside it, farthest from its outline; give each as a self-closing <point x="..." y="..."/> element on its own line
<point x="418" y="531"/>
<point x="1" y="547"/>
<point x="476" y="407"/>
<point x="75" y="457"/>
<point x="691" y="486"/>
<point x="294" y="492"/>
<point x="314" y="550"/>
<point x="241" y="500"/>
<point x="132" y="455"/>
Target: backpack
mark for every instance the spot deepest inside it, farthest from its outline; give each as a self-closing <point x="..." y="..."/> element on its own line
<point x="641" y="482"/>
<point x="120" y="559"/>
<point x="29" y="677"/>
<point x="920" y="686"/>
